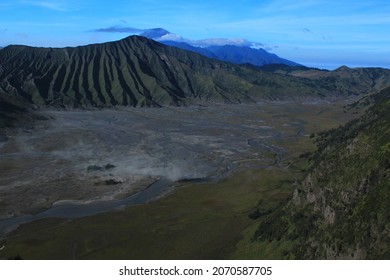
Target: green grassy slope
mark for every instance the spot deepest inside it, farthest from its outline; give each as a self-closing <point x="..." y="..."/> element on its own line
<point x="341" y="209"/>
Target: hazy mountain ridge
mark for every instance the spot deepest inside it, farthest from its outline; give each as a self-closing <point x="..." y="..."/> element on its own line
<point x="137" y="71"/>
<point x="240" y="52"/>
<point x="344" y="79"/>
<point x="341" y="209"/>
<point x="235" y="54"/>
<point x="188" y="47"/>
<point x="242" y="55"/>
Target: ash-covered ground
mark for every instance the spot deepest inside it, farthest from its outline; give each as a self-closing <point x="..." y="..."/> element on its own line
<point x="107" y="154"/>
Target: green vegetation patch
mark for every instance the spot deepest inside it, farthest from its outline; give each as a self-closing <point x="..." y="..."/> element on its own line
<point x="202" y="221"/>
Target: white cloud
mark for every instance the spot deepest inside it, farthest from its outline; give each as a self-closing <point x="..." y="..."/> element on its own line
<point x="172" y="37"/>
<point x="220" y="42"/>
<point x="210" y="41"/>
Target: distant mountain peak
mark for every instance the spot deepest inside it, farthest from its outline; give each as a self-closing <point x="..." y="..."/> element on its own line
<point x="238" y="50"/>
<point x="343" y="68"/>
<point x="155" y="33"/>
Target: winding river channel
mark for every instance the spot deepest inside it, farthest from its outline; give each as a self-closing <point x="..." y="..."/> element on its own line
<point x="72" y="210"/>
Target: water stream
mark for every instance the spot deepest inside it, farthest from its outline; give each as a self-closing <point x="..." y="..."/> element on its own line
<point x="72" y="210"/>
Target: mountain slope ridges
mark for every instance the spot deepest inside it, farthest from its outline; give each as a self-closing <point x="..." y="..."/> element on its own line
<point x="137" y="71"/>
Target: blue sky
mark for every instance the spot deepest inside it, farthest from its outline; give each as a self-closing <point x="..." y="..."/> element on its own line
<point x="319" y="33"/>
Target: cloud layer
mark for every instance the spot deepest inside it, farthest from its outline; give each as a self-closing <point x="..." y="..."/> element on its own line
<point x="119" y="29"/>
<point x="155" y="34"/>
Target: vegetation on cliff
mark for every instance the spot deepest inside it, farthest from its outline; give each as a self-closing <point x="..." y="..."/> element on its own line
<point x="341" y="209"/>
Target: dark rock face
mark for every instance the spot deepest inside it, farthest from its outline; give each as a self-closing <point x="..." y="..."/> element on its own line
<point x="94" y="167"/>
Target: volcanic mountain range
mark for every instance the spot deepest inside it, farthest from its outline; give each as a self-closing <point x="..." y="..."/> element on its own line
<point x="137" y="71"/>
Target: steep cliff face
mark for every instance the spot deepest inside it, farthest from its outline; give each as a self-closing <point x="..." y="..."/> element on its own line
<point x="342" y="208"/>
